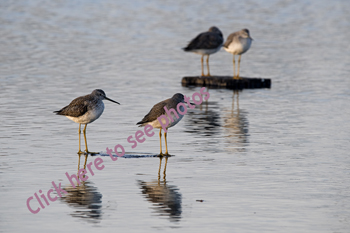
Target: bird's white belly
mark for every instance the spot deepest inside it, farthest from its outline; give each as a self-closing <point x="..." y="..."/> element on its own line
<point x="156" y="123"/>
<point x="90" y="116"/>
<point x="206" y="51"/>
<point x="238" y="48"/>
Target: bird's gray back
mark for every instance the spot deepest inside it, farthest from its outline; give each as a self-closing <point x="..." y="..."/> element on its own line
<point x="232" y="37"/>
<point x="78" y="106"/>
<point x="206" y="40"/>
<point x="158" y="109"/>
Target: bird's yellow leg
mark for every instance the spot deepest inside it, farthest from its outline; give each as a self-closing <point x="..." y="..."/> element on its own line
<point x="202" y="65"/>
<point x="160" y="141"/>
<point x="208" y="65"/>
<point x="79" y="152"/>
<point x="84" y="132"/>
<point x="239" y="63"/>
<point x="234" y="67"/>
<point x="86" y="147"/>
<point x="166" y="144"/>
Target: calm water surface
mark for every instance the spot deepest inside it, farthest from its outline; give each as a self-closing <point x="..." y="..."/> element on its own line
<point x="265" y="160"/>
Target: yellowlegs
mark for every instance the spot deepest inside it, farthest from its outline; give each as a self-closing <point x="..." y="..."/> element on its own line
<point x="84" y="110"/>
<point x="206" y="43"/>
<point x="238" y="43"/>
<point x="158" y="110"/>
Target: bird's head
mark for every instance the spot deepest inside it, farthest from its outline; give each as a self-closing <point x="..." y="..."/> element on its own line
<point x="179" y="97"/>
<point x="215" y="30"/>
<point x="100" y="94"/>
<point x="245" y="33"/>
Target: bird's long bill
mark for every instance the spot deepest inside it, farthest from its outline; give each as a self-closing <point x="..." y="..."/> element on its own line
<point x="112" y="100"/>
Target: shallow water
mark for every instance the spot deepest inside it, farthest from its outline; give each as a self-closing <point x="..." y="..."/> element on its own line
<point x="267" y="160"/>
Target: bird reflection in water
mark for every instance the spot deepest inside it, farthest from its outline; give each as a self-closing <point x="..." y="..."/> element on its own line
<point x="85" y="199"/>
<point x="204" y="121"/>
<point x="236" y="126"/>
<point x="204" y="125"/>
<point x="166" y="198"/>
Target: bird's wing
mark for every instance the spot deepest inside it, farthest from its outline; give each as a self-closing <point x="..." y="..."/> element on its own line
<point x="228" y="41"/>
<point x="76" y="108"/>
<point x="205" y="40"/>
<point x="230" y="38"/>
<point x="155" y="112"/>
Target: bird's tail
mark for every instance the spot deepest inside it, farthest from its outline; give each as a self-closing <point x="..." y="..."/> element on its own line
<point x="59" y="112"/>
<point x="186" y="49"/>
<point x="141" y="123"/>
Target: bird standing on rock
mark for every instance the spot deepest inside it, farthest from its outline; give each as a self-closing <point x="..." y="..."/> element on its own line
<point x="206" y="43"/>
<point x="238" y="43"/>
<point x="84" y="110"/>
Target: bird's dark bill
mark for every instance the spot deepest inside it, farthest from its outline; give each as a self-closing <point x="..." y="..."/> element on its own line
<point x="112" y="100"/>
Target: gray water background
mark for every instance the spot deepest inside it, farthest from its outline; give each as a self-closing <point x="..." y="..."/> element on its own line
<point x="263" y="160"/>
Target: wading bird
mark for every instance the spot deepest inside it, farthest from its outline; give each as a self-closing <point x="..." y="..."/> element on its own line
<point x="84" y="110"/>
<point x="238" y="43"/>
<point x="206" y="43"/>
<point x="157" y="111"/>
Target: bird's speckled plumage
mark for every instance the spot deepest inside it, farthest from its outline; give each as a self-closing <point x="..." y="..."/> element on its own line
<point x="85" y="109"/>
<point x="239" y="42"/>
<point x="158" y="110"/>
<point x="206" y="42"/>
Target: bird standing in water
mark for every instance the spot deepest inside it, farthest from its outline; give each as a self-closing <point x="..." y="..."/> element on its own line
<point x="84" y="110"/>
<point x="238" y="43"/>
<point x="206" y="43"/>
<point x="157" y="111"/>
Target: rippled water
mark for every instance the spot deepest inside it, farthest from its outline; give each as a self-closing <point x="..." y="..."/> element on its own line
<point x="267" y="160"/>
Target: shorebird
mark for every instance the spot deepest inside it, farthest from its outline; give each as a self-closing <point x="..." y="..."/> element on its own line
<point x="206" y="43"/>
<point x="157" y="111"/>
<point x="238" y="43"/>
<point x="84" y="110"/>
